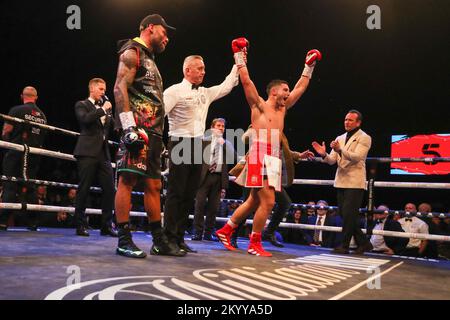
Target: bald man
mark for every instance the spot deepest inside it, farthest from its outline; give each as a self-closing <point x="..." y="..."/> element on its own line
<point x="13" y="161"/>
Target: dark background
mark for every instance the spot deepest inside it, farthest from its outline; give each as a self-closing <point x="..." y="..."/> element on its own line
<point x="398" y="77"/>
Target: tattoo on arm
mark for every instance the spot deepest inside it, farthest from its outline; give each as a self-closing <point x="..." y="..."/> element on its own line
<point x="125" y="77"/>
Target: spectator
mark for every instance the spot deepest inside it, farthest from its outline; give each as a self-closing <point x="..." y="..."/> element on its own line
<point x="296" y="236"/>
<point x="310" y="211"/>
<point x="415" y="247"/>
<point x="425" y="208"/>
<point x="432" y="246"/>
<point x="321" y="238"/>
<point x="41" y="193"/>
<point x="66" y="219"/>
<point x="385" y="244"/>
<point x="411" y="208"/>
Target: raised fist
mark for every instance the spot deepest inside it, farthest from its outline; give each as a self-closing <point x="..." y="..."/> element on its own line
<point x="240" y="47"/>
<point x="239" y="44"/>
<point x="311" y="57"/>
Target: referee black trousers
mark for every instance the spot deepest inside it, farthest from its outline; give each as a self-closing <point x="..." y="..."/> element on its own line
<point x="183" y="182"/>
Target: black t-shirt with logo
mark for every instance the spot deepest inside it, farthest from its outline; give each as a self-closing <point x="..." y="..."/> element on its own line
<point x="24" y="133"/>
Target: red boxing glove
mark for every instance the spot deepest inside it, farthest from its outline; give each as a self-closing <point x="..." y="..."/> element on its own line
<point x="239" y="44"/>
<point x="311" y="57"/>
<point x="240" y="47"/>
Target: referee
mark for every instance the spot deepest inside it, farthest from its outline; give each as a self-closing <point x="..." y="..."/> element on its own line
<point x="186" y="105"/>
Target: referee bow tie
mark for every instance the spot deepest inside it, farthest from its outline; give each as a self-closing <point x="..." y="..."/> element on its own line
<point x="408" y="219"/>
<point x="379" y="221"/>
<point x="195" y="86"/>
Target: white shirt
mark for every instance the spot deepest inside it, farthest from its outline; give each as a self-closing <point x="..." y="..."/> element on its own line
<point x="414" y="226"/>
<point x="322" y="223"/>
<point x="378" y="240"/>
<point x="187" y="108"/>
<point x="102" y="119"/>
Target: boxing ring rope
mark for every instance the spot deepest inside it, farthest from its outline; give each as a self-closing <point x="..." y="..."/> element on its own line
<point x="39" y="151"/>
<point x="390" y="160"/>
<point x="47" y="127"/>
<point x="56" y="184"/>
<point x="293" y="205"/>
<point x="45" y="208"/>
<point x="380" y="184"/>
<point x="371" y="184"/>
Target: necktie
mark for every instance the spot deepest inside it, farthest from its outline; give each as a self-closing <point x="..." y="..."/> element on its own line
<point x="195" y="86"/>
<point x="215" y="158"/>
<point x="379" y="221"/>
<point x="317" y="232"/>
<point x="408" y="219"/>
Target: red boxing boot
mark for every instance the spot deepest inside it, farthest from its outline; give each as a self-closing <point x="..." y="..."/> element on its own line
<point x="224" y="235"/>
<point x="255" y="246"/>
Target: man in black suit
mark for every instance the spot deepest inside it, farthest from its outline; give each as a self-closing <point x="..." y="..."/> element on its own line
<point x="384" y="244"/>
<point x="213" y="182"/>
<point x="93" y="158"/>
<point x="326" y="239"/>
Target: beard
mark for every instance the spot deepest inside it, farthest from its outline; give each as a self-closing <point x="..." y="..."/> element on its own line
<point x="281" y="101"/>
<point x="158" y="45"/>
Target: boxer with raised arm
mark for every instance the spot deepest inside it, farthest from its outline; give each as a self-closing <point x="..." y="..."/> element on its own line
<point x="262" y="172"/>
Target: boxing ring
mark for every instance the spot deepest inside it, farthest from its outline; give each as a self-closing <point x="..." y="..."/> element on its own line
<point x="55" y="264"/>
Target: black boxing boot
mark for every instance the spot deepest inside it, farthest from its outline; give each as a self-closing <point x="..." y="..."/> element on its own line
<point x="161" y="245"/>
<point x="270" y="236"/>
<point x="126" y="246"/>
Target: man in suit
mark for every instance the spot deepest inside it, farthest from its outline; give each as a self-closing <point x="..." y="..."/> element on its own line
<point x="349" y="151"/>
<point x="213" y="181"/>
<point x="384" y="244"/>
<point x="414" y="247"/>
<point x="326" y="239"/>
<point x="93" y="157"/>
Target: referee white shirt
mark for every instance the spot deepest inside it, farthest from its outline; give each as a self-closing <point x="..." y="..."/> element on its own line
<point x="187" y="107"/>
